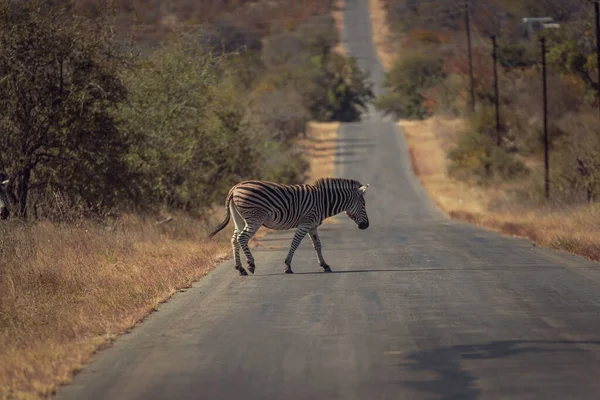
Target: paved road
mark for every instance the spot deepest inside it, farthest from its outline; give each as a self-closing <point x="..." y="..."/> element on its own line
<point x="420" y="307"/>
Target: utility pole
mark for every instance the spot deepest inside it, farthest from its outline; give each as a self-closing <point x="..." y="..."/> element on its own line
<point x="496" y="95"/>
<point x="468" y="27"/>
<point x="545" y="89"/>
<point x="596" y="7"/>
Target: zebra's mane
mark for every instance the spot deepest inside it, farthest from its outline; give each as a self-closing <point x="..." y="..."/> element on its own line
<point x="327" y="182"/>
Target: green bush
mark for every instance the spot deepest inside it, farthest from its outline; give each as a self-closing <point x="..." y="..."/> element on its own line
<point x="476" y="154"/>
<point x="518" y="54"/>
<point x="575" y="166"/>
<point x="411" y="74"/>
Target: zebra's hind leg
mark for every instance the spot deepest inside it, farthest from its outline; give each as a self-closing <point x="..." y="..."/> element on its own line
<point x="244" y="238"/>
<point x="235" y="243"/>
<point x="314" y="238"/>
<point x="298" y="236"/>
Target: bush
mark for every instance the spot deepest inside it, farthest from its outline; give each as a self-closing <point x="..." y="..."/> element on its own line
<point x="575" y="174"/>
<point x="518" y="55"/>
<point x="342" y="91"/>
<point x="477" y="155"/>
<point x="191" y="141"/>
<point x="411" y="74"/>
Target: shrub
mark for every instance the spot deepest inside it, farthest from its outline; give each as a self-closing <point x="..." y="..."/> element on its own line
<point x="576" y="167"/>
<point x="477" y="155"/>
<point x="411" y="74"/>
<point x="191" y="142"/>
<point x="342" y="90"/>
<point x="518" y="55"/>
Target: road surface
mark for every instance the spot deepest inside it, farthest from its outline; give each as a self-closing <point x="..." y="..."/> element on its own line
<point x="419" y="306"/>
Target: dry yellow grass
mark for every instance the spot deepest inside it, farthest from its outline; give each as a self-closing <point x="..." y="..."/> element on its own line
<point x="66" y="290"/>
<point x="574" y="229"/>
<point x="338" y="18"/>
<point x="319" y="146"/>
<point x="381" y="34"/>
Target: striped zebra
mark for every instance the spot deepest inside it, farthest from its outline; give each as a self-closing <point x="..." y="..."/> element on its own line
<point x="257" y="203"/>
<point x="4" y="210"/>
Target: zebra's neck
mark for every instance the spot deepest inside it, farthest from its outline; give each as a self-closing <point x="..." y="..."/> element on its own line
<point x="334" y="200"/>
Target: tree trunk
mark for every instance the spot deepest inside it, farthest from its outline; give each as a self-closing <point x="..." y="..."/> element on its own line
<point x="23" y="191"/>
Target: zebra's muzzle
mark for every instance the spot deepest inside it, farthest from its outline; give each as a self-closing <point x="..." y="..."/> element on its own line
<point x="363" y="225"/>
<point x="4" y="213"/>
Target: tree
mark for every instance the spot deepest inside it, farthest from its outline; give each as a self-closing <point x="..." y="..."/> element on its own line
<point x="191" y="143"/>
<point x="58" y="85"/>
<point x="343" y="90"/>
<point x="411" y="74"/>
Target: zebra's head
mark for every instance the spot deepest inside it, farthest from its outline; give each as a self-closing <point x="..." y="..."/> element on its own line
<point x="4" y="210"/>
<point x="357" y="210"/>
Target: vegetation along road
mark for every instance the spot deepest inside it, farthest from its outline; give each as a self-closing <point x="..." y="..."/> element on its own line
<point x="418" y="306"/>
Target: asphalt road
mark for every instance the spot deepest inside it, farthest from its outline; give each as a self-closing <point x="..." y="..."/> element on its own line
<point x="419" y="307"/>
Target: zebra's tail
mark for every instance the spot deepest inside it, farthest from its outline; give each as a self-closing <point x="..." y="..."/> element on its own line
<point x="224" y="223"/>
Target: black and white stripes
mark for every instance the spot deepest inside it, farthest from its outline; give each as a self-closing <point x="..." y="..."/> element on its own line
<point x="257" y="203"/>
<point x="4" y="204"/>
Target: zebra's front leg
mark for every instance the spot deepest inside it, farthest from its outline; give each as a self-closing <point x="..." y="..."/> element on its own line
<point x="235" y="244"/>
<point x="300" y="233"/>
<point x="244" y="238"/>
<point x="314" y="238"/>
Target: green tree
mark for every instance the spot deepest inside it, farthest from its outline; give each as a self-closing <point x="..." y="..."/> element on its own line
<point x="342" y="90"/>
<point x="58" y="84"/>
<point x="410" y="75"/>
<point x="190" y="138"/>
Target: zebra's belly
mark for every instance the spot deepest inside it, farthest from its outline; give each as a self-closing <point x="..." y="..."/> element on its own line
<point x="272" y="223"/>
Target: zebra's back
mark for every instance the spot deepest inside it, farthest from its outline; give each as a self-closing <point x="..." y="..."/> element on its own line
<point x="281" y="206"/>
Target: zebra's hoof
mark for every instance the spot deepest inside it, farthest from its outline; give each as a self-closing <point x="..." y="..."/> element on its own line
<point x="288" y="270"/>
<point x="326" y="268"/>
<point x="251" y="268"/>
<point x="242" y="271"/>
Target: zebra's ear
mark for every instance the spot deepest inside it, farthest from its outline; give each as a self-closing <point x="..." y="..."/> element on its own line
<point x="363" y="189"/>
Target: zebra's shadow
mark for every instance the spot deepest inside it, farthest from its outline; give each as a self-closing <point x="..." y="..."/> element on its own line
<point x="353" y="271"/>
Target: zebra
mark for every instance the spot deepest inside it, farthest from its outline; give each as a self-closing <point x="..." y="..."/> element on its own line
<point x="256" y="203"/>
<point x="4" y="210"/>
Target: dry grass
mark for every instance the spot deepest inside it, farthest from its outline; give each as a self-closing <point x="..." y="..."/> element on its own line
<point x="381" y="34"/>
<point x="338" y="18"/>
<point x="320" y="147"/>
<point x="66" y="290"/>
<point x="574" y="229"/>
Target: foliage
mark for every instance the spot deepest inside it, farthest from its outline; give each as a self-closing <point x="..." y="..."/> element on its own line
<point x="518" y="55"/>
<point x="332" y="86"/>
<point x="477" y="155"/>
<point x="411" y="74"/>
<point x="576" y="168"/>
<point x="58" y="84"/>
<point x="92" y="127"/>
<point x="342" y="90"/>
